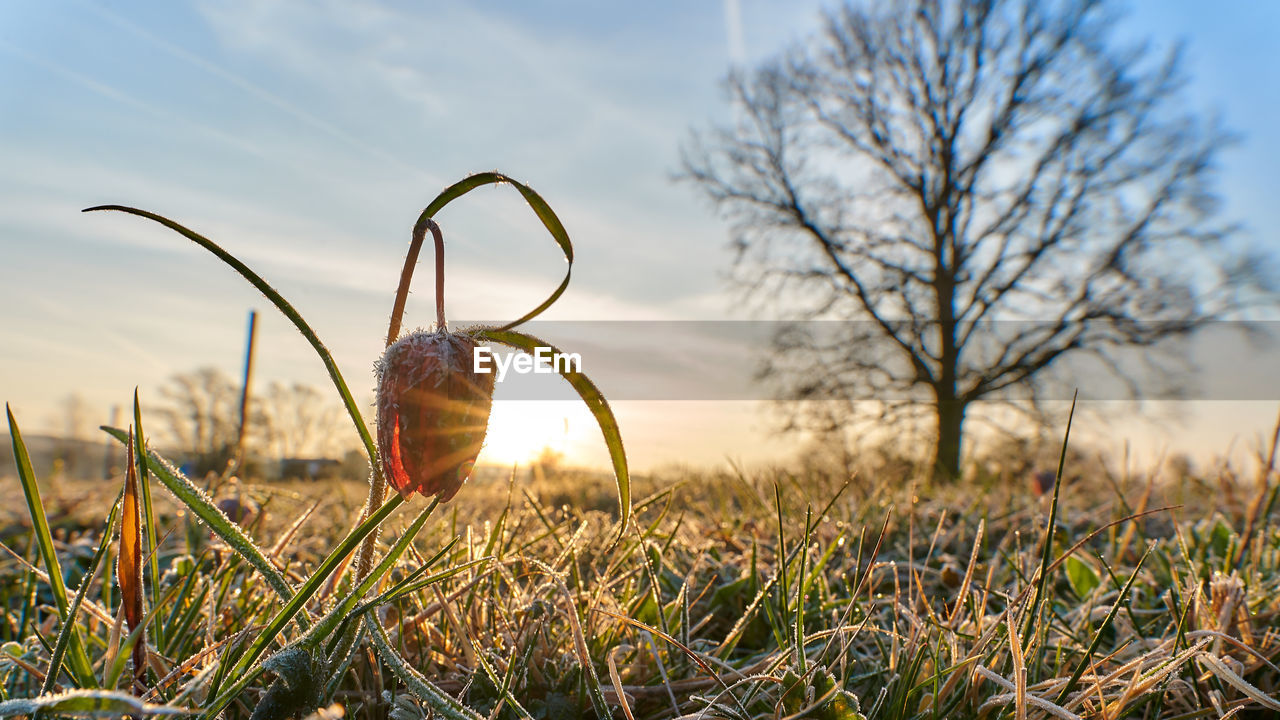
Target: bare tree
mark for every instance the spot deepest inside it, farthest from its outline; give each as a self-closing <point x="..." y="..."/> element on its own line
<point x="202" y="415"/>
<point x="984" y="187"/>
<point x="71" y="446"/>
<point x="302" y="421"/>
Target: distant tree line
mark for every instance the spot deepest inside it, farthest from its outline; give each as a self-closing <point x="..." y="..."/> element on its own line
<point x="200" y="417"/>
<point x="195" y="422"/>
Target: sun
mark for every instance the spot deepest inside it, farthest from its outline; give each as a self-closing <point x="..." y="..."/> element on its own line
<point x="519" y="430"/>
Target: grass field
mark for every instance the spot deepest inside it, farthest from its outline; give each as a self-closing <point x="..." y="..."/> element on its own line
<point x="806" y="590"/>
<point x="778" y="592"/>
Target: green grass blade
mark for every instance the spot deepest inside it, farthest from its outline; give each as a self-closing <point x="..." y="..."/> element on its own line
<point x="80" y="665"/>
<point x="1097" y="637"/>
<point x="394" y="591"/>
<point x="803" y="580"/>
<point x="293" y="607"/>
<point x="68" y="628"/>
<point x="347" y="653"/>
<point x="276" y="299"/>
<point x="148" y="515"/>
<point x="1034" y="610"/>
<point x="201" y="505"/>
<point x="440" y="702"/>
<point x="335" y="617"/>
<point x="345" y="631"/>
<point x="245" y="671"/>
<point x="503" y="685"/>
<point x="598" y="405"/>
<point x="432" y="579"/>
<point x="540" y="208"/>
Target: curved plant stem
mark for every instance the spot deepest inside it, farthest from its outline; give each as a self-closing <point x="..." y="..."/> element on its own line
<point x="441" y="326"/>
<point x="539" y="207"/>
<point x="377" y="483"/>
<point x="406" y="276"/>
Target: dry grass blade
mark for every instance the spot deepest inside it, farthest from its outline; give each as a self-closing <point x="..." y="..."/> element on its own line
<point x="100" y="613"/>
<point x="1085" y="540"/>
<point x="1140" y="683"/>
<point x="1039" y="702"/>
<point x="620" y="693"/>
<point x="968" y="573"/>
<point x="1264" y="487"/>
<point x="287" y="536"/>
<point x="1019" y="672"/>
<point x="1226" y="674"/>
<point x="695" y="657"/>
<point x="190" y="663"/>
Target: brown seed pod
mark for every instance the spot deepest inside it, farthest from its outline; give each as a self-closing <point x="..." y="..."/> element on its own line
<point x="433" y="411"/>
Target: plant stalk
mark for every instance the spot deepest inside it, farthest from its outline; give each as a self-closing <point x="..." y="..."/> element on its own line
<point x="378" y="483"/>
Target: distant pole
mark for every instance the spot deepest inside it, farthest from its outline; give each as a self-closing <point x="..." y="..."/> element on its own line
<point x="109" y="455"/>
<point x="244" y="389"/>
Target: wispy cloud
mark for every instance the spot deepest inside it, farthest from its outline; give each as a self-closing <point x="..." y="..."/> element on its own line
<point x="733" y="31"/>
<point x="119" y="95"/>
<point x="256" y="91"/>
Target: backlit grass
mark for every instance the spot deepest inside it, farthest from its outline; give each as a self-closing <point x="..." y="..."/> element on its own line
<point x="917" y="602"/>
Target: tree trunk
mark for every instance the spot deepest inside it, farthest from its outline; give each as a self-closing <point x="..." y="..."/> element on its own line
<point x="946" y="457"/>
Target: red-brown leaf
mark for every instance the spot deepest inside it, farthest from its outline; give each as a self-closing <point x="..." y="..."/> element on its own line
<point x="129" y="566"/>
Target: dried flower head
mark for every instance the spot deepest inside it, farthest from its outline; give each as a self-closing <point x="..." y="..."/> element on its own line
<point x="433" y="411"/>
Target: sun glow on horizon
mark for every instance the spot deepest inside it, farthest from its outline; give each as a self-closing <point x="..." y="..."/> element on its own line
<point x="520" y="430"/>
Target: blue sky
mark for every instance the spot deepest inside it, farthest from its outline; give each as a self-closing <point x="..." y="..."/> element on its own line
<point x="306" y="137"/>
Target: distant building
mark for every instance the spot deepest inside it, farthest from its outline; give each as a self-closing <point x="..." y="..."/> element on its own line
<point x="309" y="468"/>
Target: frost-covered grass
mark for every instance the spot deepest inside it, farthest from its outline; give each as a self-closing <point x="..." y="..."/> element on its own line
<point x="918" y="601"/>
<point x="786" y="592"/>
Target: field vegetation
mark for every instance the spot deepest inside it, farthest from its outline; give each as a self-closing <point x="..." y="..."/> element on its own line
<point x="799" y="591"/>
<point x="835" y="586"/>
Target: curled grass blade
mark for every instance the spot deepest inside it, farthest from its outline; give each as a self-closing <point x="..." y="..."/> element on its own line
<point x="689" y="652"/>
<point x="595" y="401"/>
<point x="80" y="665"/>
<point x="540" y="208"/>
<point x="202" y="506"/>
<point x="276" y="299"/>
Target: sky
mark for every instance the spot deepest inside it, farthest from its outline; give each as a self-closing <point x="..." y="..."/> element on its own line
<point x="306" y="137"/>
